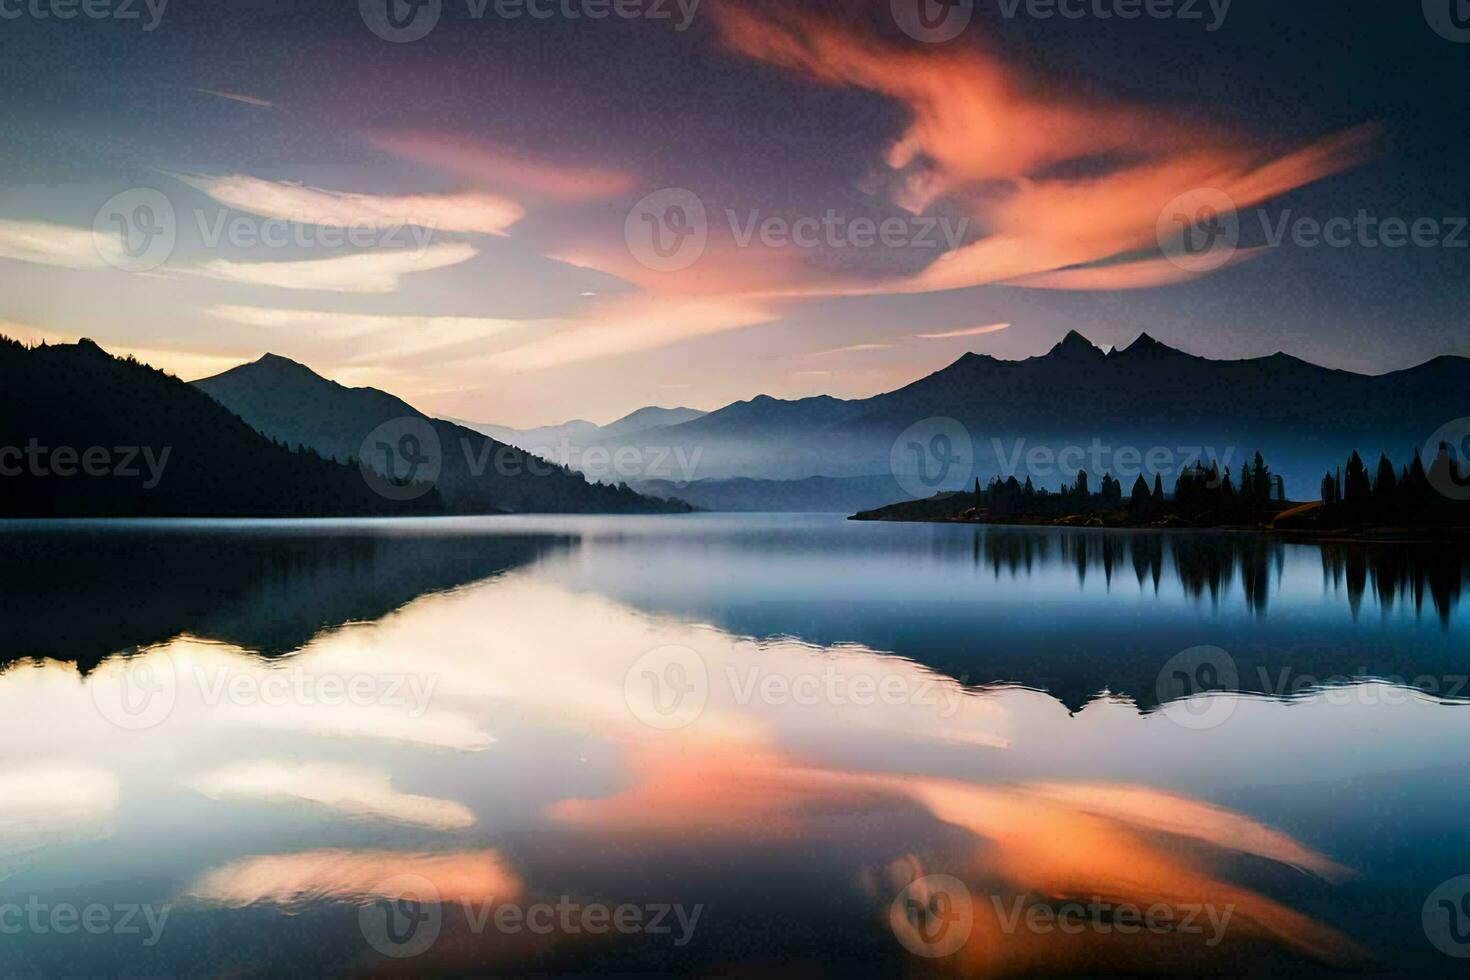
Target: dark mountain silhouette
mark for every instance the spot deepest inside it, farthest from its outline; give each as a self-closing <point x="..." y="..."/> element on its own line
<point x="288" y="401"/>
<point x="87" y="434"/>
<point x="1145" y="395"/>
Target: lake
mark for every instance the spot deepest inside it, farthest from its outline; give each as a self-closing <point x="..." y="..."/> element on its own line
<point x="727" y="743"/>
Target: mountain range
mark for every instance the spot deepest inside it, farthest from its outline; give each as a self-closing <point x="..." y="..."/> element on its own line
<point x="272" y="437"/>
<point x="1020" y="415"/>
<point x="83" y="433"/>
<point x="474" y="473"/>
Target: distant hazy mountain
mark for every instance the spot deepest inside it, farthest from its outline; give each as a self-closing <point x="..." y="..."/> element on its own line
<point x="649" y="418"/>
<point x="549" y="441"/>
<point x="475" y="473"/>
<point x="813" y="495"/>
<point x="83" y="433"/>
<point x="1148" y="396"/>
<point x="535" y="440"/>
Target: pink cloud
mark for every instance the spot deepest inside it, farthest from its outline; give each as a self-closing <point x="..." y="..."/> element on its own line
<point x="989" y="138"/>
<point x="488" y="164"/>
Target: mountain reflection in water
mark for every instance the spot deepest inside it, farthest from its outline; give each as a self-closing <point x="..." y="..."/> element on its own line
<point x="82" y="590"/>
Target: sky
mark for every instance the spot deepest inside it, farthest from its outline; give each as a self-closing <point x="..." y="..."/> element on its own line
<point x="526" y="211"/>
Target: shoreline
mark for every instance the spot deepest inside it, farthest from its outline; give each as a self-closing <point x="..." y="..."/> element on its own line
<point x="1345" y="535"/>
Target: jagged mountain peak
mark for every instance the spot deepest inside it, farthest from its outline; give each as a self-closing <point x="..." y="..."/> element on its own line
<point x="1146" y="345"/>
<point x="1074" y="346"/>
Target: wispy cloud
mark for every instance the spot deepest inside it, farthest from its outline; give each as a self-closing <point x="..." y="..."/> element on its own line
<point x="625" y="324"/>
<point x="236" y="97"/>
<point x="850" y="347"/>
<point x="373" y="337"/>
<point x="492" y="165"/>
<point x="966" y="332"/>
<point x="1139" y="274"/>
<point x="478" y="212"/>
<point x="365" y="272"/>
<point x="43" y="243"/>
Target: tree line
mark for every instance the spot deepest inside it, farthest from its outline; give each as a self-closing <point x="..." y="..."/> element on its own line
<point x="1207" y="494"/>
<point x="1199" y="491"/>
<point x="1410" y="494"/>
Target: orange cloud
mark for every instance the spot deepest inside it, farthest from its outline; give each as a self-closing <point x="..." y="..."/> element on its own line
<point x="1057" y="180"/>
<point x="1053" y="842"/>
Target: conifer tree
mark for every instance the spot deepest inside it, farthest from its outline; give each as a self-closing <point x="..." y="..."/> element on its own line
<point x="1385" y="486"/>
<point x="1140" y="502"/>
<point x="1357" y="489"/>
<point x="1261" y="479"/>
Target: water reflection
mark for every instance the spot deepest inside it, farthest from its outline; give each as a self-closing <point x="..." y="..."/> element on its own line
<point x="301" y="880"/>
<point x="82" y="590"/>
<point x="885" y="787"/>
<point x="1397" y="573"/>
<point x="1076" y="613"/>
<point x="1057" y="843"/>
<point x="898" y="589"/>
<point x="1207" y="564"/>
<point x="866" y="708"/>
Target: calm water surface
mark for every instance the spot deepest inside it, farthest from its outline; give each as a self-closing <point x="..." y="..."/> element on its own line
<point x="715" y="743"/>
